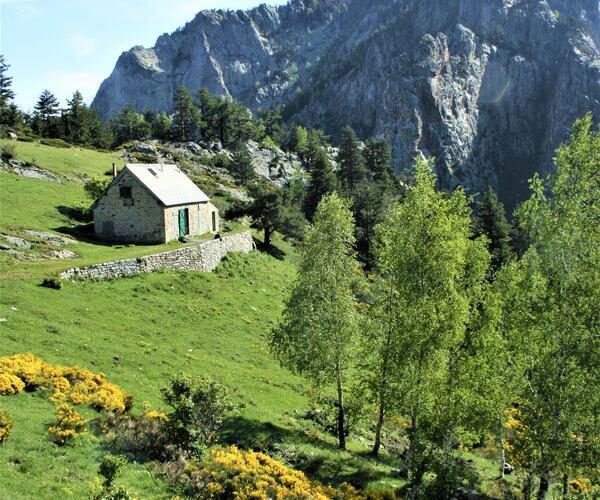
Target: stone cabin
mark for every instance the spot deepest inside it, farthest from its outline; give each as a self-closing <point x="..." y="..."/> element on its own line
<point x="152" y="204"/>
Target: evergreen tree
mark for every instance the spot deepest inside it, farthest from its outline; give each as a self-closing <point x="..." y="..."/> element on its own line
<point x="161" y="126"/>
<point x="316" y="337"/>
<point x="298" y="141"/>
<point x="265" y="209"/>
<point x="6" y="95"/>
<point x="241" y="167"/>
<point x="491" y="221"/>
<point x="378" y="161"/>
<point x="270" y="120"/>
<point x="100" y="135"/>
<point x="316" y="140"/>
<point x="186" y="118"/>
<point x="45" y="114"/>
<point x="352" y="163"/>
<point x="77" y="120"/>
<point x="128" y="125"/>
<point x="322" y="182"/>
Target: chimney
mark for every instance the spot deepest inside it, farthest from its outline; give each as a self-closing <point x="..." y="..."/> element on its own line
<point x="114" y="170"/>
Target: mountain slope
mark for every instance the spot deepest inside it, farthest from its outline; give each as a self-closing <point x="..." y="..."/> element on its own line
<point x="490" y="88"/>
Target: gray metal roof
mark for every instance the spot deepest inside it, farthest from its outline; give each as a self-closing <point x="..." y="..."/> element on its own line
<point x="168" y="183"/>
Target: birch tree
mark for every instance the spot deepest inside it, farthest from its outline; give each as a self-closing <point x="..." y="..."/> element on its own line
<point x="316" y="337"/>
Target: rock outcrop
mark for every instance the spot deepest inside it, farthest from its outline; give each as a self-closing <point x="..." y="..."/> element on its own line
<point x="488" y="87"/>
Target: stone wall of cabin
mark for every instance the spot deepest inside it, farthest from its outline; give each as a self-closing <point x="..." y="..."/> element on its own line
<point x="199" y="219"/>
<point x="204" y="256"/>
<point x="139" y="220"/>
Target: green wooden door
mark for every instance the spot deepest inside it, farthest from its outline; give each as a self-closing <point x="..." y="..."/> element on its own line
<point x="183" y="222"/>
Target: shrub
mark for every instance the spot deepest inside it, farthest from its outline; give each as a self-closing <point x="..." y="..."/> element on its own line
<point x="6" y="425"/>
<point x="96" y="186"/>
<point x="144" y="437"/>
<point x="25" y="138"/>
<point x="56" y="143"/>
<point x="7" y="151"/>
<point x="69" y="425"/>
<point x="10" y="384"/>
<point x="233" y="473"/>
<point x="109" y="468"/>
<point x="69" y="384"/>
<point x="54" y="283"/>
<point x="199" y="407"/>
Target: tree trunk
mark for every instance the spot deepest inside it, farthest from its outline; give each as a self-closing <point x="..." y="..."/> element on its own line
<point x="544" y="485"/>
<point x="267" y="237"/>
<point x="502" y="452"/>
<point x="341" y="430"/>
<point x="377" y="445"/>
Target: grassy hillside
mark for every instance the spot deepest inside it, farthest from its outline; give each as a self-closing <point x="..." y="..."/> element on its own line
<point x="140" y="332"/>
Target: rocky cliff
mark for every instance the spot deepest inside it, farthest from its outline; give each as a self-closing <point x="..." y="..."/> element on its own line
<point x="488" y="87"/>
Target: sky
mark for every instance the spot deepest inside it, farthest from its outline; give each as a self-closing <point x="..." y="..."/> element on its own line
<point x="68" y="45"/>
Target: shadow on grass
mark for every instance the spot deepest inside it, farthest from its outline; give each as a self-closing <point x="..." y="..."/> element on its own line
<point x="304" y="451"/>
<point x="272" y="250"/>
<point x="78" y="214"/>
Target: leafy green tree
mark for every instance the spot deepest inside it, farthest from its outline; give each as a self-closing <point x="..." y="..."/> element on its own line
<point x="491" y="221"/>
<point x="316" y="337"/>
<point x="128" y="125"/>
<point x="444" y="342"/>
<point x="100" y="135"/>
<point x="551" y="316"/>
<point x="96" y="186"/>
<point x="199" y="408"/>
<point x="77" y="120"/>
<point x="161" y="126"/>
<point x="298" y="140"/>
<point x="351" y="160"/>
<point x="186" y="118"/>
<point x="265" y="209"/>
<point x="46" y="114"/>
<point x="270" y="120"/>
<point x="322" y="182"/>
<point x="241" y="167"/>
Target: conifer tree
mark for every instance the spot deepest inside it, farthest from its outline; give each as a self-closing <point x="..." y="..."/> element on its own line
<point x="491" y="221"/>
<point x="316" y="337"/>
<point x="241" y="167"/>
<point x="322" y="182"/>
<point x="161" y="126"/>
<point x="77" y="120"/>
<point x="45" y="113"/>
<point x="351" y="160"/>
<point x="7" y="107"/>
<point x="186" y="118"/>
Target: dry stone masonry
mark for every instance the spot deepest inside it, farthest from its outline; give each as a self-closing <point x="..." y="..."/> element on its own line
<point x="204" y="257"/>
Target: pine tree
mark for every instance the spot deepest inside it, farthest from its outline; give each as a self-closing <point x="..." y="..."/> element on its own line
<point x="77" y="123"/>
<point x="298" y="140"/>
<point x="100" y="135"/>
<point x="241" y="167"/>
<point x="316" y="337"/>
<point x="491" y="221"/>
<point x="352" y="163"/>
<point x="378" y="161"/>
<point x="6" y="94"/>
<point x="322" y="182"/>
<point x="161" y="126"/>
<point x="186" y="118"/>
<point x="128" y="125"/>
<point x="45" y="113"/>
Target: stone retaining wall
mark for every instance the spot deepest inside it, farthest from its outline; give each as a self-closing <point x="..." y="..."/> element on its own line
<point x="204" y="256"/>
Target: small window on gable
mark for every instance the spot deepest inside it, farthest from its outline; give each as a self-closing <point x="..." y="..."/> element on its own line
<point x="152" y="172"/>
<point x="125" y="192"/>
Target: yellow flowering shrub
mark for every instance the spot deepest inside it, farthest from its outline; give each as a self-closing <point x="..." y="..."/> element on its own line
<point x="69" y="384"/>
<point x="69" y="424"/>
<point x="233" y="473"/>
<point x="156" y="415"/>
<point x="10" y="384"/>
<point x="6" y="425"/>
<point x="579" y="486"/>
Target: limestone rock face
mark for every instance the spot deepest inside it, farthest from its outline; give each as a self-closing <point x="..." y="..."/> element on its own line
<point x="488" y="87"/>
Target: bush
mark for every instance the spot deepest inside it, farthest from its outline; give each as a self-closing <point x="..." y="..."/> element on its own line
<point x="10" y="384"/>
<point x="55" y="143"/>
<point x="199" y="408"/>
<point x="7" y="151"/>
<point x="69" y="425"/>
<point x="54" y="283"/>
<point x="6" y="425"/>
<point x="233" y="473"/>
<point x="25" y="138"/>
<point x="109" y="468"/>
<point x="69" y="384"/>
<point x="96" y="186"/>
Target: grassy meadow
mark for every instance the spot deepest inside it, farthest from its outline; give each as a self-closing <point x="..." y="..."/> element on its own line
<point x="140" y="332"/>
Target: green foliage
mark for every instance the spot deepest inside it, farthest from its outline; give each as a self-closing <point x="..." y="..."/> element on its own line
<point x="186" y="118"/>
<point x="241" y="167"/>
<point x="76" y="120"/>
<point x="55" y="143"/>
<point x="128" y="126"/>
<point x="6" y="426"/>
<point x="109" y="468"/>
<point x="316" y="335"/>
<point x="351" y="160"/>
<point x="7" y="107"/>
<point x="199" y="407"/>
<point x="45" y="115"/>
<point x="491" y="222"/>
<point x="298" y="140"/>
<point x="7" y="151"/>
<point x="96" y="186"/>
<point x="322" y="182"/>
<point x="551" y="315"/>
<point x="161" y="126"/>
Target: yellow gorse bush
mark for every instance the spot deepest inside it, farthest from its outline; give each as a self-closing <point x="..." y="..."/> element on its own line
<point x="234" y="473"/>
<point x="69" y="424"/>
<point x="69" y="384"/>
